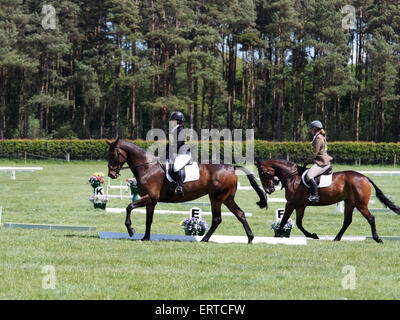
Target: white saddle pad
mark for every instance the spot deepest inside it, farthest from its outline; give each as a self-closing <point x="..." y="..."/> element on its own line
<point x="192" y="172"/>
<point x="325" y="180"/>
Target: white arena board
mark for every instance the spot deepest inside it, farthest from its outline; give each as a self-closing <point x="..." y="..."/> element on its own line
<point x="214" y="238"/>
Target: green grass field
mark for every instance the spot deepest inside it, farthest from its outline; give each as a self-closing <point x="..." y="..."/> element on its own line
<point x="87" y="267"/>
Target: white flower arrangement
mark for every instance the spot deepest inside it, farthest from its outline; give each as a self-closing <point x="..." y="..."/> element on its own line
<point x="288" y="226"/>
<point x="98" y="198"/>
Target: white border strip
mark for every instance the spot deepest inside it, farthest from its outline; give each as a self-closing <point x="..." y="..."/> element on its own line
<point x="214" y="238"/>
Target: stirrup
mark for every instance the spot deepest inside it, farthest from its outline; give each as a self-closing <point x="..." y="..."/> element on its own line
<point x="313" y="198"/>
<point x="179" y="190"/>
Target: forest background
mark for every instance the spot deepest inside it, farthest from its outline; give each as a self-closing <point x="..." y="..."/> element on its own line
<point x="120" y="67"/>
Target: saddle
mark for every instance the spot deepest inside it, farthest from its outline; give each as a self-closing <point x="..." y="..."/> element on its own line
<point x="323" y="180"/>
<point x="190" y="172"/>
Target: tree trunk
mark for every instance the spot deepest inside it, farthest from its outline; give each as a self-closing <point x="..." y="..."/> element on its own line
<point x="211" y="107"/>
<point x="3" y="90"/>
<point x="252" y="90"/>
<point x="195" y="102"/>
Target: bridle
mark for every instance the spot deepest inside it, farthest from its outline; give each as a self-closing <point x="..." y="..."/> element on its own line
<point x="271" y="176"/>
<point x="120" y="163"/>
<point x="267" y="175"/>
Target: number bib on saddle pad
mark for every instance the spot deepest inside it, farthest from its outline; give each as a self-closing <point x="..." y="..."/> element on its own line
<point x="323" y="180"/>
<point x="192" y="172"/>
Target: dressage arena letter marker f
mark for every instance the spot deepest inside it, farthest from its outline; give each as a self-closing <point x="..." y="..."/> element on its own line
<point x="349" y="280"/>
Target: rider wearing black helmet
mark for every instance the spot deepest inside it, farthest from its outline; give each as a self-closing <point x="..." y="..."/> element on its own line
<point x="177" y="138"/>
<point x="319" y="157"/>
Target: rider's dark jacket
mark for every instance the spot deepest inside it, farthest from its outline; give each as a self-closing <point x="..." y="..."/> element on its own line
<point x="178" y="139"/>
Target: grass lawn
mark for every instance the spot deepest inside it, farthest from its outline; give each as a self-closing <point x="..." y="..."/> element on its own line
<point x="87" y="267"/>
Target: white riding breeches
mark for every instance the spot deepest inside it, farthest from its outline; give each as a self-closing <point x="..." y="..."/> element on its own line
<point x="316" y="170"/>
<point x="181" y="160"/>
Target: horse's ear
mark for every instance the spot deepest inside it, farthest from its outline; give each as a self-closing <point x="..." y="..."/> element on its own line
<point x="108" y="142"/>
<point x="116" y="141"/>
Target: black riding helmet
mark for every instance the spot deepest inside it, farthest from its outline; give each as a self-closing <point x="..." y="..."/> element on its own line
<point x="178" y="116"/>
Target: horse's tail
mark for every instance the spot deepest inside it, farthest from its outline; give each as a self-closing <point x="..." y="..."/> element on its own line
<point x="263" y="197"/>
<point x="385" y="200"/>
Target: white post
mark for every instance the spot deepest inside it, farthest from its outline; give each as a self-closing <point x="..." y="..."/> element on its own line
<point x="13" y="177"/>
<point x="339" y="207"/>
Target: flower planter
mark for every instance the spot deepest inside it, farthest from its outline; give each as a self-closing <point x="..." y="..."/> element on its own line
<point x="95" y="185"/>
<point x="286" y="230"/>
<point x="194" y="226"/>
<point x="284" y="233"/>
<point x="191" y="233"/>
<point x="99" y="200"/>
<point x="134" y="193"/>
<point x="100" y="205"/>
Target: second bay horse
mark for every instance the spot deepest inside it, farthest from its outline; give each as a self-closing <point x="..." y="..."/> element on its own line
<point x="349" y="186"/>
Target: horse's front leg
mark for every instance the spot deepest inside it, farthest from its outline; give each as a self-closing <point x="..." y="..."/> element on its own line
<point x="149" y="221"/>
<point x="144" y="201"/>
<point x="299" y="223"/>
<point x="288" y="212"/>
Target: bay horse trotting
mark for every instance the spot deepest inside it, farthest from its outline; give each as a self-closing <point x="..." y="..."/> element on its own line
<point x="219" y="181"/>
<point x="349" y="186"/>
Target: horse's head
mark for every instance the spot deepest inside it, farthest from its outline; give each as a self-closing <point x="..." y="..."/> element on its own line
<point x="116" y="158"/>
<point x="267" y="176"/>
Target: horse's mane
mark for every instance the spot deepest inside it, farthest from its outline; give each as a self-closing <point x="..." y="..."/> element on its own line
<point x="285" y="162"/>
<point x="135" y="148"/>
<point x="131" y="145"/>
<point x="290" y="165"/>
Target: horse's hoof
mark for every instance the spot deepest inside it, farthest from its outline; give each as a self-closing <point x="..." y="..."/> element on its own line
<point x="379" y="240"/>
<point x="262" y="204"/>
<point x="250" y="240"/>
<point x="314" y="236"/>
<point x="131" y="232"/>
<point x="145" y="238"/>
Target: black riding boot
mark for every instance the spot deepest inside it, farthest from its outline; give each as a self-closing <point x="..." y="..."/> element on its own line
<point x="314" y="197"/>
<point x="179" y="181"/>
